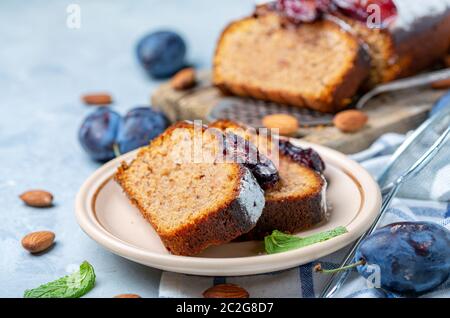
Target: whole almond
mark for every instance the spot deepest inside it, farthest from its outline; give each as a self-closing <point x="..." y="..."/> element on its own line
<point x="350" y="121"/>
<point x="184" y="79"/>
<point x="226" y="291"/>
<point x="37" y="198"/>
<point x="97" y="99"/>
<point x="287" y="124"/>
<point x="127" y="296"/>
<point x="442" y="84"/>
<point x="38" y="241"/>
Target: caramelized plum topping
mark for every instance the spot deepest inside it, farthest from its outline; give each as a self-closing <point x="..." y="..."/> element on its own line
<point x="299" y="11"/>
<point x="307" y="157"/>
<point x="303" y="10"/>
<point x="238" y="149"/>
<point x="361" y="10"/>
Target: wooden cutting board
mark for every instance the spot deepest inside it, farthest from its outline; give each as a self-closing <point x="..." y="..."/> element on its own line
<point x="396" y="112"/>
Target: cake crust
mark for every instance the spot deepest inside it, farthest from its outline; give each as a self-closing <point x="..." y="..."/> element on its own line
<point x="293" y="213"/>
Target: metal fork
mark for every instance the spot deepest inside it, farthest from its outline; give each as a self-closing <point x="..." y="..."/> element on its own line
<point x="410" y="82"/>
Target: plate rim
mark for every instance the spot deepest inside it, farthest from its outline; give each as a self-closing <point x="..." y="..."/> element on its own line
<point x="236" y="266"/>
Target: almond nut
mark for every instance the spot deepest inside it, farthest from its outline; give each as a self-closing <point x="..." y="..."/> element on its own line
<point x="287" y="124"/>
<point x="225" y="291"/>
<point x="38" y="241"/>
<point x="442" y="84"/>
<point x="37" y="198"/>
<point x="97" y="99"/>
<point x="350" y="121"/>
<point x="127" y="296"/>
<point x="184" y="79"/>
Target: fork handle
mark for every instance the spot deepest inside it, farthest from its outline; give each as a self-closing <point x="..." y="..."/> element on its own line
<point x="410" y="82"/>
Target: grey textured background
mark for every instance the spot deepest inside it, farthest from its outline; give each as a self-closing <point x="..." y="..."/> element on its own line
<point x="44" y="68"/>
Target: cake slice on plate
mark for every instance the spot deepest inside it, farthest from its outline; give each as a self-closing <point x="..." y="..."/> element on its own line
<point x="192" y="202"/>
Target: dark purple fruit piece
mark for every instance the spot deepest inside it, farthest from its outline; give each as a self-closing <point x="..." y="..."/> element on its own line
<point x="238" y="149"/>
<point x="162" y="53"/>
<point x="361" y="9"/>
<point x="299" y="11"/>
<point x="302" y="10"/>
<point x="413" y="257"/>
<point x="307" y="157"/>
<point x="139" y="126"/>
<point x="98" y="132"/>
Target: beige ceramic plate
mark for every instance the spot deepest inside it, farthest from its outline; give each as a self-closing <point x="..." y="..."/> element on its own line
<point x="107" y="216"/>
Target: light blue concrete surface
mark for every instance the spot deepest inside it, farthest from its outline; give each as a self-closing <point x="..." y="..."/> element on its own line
<point x="44" y="68"/>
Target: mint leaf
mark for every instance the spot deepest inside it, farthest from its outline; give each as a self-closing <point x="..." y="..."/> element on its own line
<point x="74" y="285"/>
<point x="279" y="242"/>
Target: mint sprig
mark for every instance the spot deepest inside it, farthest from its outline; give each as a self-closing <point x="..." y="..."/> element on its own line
<point x="74" y="285"/>
<point x="279" y="242"/>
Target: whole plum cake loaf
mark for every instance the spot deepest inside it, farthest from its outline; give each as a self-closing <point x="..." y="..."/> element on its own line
<point x="319" y="53"/>
<point x="192" y="203"/>
<point x="316" y="65"/>
<point x="298" y="201"/>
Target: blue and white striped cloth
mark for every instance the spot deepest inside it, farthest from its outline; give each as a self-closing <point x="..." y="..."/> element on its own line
<point x="302" y="281"/>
